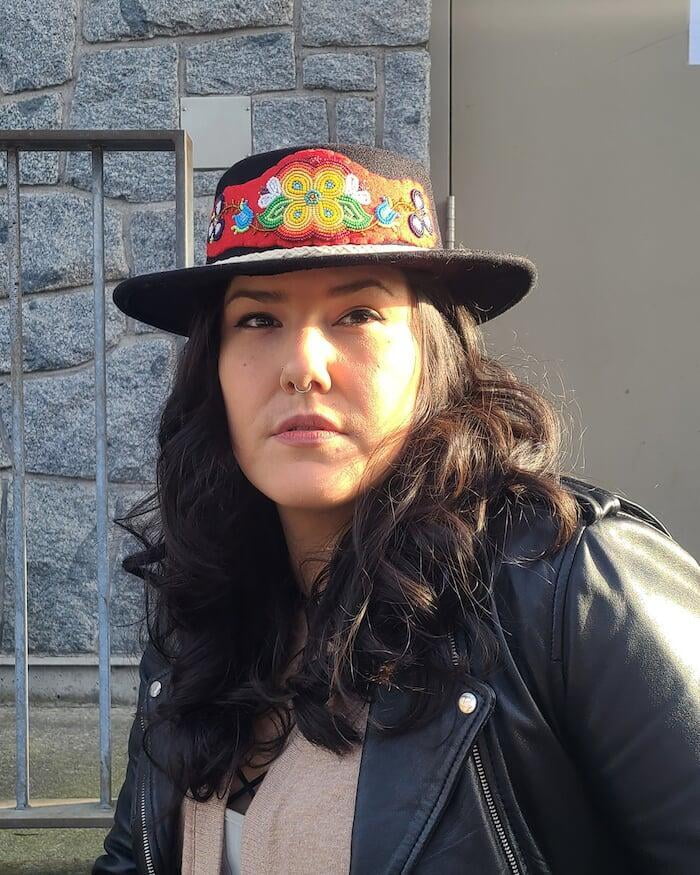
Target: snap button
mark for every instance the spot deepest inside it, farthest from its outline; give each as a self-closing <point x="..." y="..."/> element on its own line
<point x="467" y="703"/>
<point x="154" y="689"/>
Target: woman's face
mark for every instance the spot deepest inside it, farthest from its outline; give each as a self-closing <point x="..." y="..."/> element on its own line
<point x="363" y="368"/>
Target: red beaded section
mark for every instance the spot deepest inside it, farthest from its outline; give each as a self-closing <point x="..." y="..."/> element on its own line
<point x="320" y="197"/>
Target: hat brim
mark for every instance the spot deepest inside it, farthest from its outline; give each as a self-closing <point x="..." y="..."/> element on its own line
<point x="488" y="283"/>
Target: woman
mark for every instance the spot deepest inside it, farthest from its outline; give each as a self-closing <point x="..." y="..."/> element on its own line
<point x="406" y="642"/>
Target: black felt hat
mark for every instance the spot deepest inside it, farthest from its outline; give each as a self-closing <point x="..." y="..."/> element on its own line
<point x="323" y="206"/>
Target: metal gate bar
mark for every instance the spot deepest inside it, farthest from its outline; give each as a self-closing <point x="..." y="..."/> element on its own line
<point x="88" y="812"/>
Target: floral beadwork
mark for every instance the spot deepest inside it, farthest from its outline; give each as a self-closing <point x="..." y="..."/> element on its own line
<point x="385" y="212"/>
<point x="419" y="221"/>
<point x="319" y="196"/>
<point x="216" y="225"/>
<point x="298" y="203"/>
<point x="243" y="219"/>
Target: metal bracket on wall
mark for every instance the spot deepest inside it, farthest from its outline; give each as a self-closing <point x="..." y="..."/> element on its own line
<point x="220" y="128"/>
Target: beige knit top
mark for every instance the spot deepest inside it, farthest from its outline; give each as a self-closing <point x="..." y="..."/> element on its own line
<point x="299" y="822"/>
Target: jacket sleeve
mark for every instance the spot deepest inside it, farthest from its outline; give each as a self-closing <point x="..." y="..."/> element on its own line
<point x="630" y="648"/>
<point x="118" y="858"/>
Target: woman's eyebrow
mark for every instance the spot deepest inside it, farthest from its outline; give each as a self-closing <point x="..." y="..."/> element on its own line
<point x="334" y="292"/>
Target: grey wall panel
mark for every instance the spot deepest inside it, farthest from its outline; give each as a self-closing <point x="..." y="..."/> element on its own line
<point x="575" y="134"/>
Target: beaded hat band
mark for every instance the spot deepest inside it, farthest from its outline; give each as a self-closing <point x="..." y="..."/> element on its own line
<point x="320" y="206"/>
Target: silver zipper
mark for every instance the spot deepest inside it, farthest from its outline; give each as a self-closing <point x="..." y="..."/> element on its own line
<point x="455" y="655"/>
<point x="510" y="856"/>
<point x="146" y="844"/>
<point x="494" y="814"/>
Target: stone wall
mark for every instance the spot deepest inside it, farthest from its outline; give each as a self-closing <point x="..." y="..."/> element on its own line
<point x="344" y="71"/>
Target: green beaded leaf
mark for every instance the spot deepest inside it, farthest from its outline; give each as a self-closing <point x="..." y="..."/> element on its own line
<point x="354" y="216"/>
<point x="274" y="213"/>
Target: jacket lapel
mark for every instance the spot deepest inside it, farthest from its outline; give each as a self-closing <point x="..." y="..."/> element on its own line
<point x="404" y="782"/>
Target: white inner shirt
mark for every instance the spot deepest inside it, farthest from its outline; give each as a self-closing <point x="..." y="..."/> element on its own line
<point x="232" y="844"/>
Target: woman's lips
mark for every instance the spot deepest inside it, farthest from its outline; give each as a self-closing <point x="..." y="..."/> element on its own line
<point x="297" y="436"/>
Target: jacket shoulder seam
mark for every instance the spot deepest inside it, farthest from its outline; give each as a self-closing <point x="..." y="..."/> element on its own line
<point x="561" y="586"/>
<point x="596" y="503"/>
<point x="613" y="506"/>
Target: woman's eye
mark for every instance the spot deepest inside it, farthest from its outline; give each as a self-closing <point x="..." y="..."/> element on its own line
<point x="370" y="313"/>
<point x="245" y="319"/>
<point x="268" y="318"/>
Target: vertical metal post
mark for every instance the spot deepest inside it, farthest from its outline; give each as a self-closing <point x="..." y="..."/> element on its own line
<point x="184" y="222"/>
<point x="14" y="263"/>
<point x="104" y="595"/>
<point x="183" y="201"/>
<point x="95" y="142"/>
<point x="450" y="242"/>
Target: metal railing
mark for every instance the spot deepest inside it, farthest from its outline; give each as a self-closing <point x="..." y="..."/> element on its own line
<point x="76" y="812"/>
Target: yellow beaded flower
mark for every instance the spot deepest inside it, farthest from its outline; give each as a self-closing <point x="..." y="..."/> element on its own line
<point x="300" y="203"/>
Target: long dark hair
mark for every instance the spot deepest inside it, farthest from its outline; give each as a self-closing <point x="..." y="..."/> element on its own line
<point x="415" y="561"/>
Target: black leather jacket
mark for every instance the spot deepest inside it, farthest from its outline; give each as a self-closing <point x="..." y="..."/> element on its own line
<point x="579" y="755"/>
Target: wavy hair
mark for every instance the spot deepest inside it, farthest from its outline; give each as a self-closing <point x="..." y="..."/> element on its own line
<point x="416" y="561"/>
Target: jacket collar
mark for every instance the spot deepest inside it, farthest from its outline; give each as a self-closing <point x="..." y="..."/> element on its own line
<point x="405" y="781"/>
<point x="403" y="784"/>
